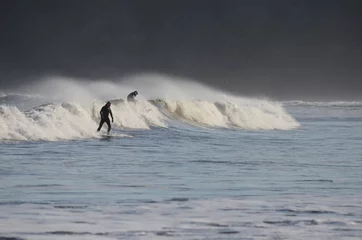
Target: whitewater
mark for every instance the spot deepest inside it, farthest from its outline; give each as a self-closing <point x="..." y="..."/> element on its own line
<point x="60" y="108"/>
<point x="186" y="161"/>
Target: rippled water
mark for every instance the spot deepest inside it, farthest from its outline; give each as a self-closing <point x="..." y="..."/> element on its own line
<point x="190" y="183"/>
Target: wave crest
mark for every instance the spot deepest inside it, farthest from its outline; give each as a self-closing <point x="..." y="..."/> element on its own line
<point x="66" y="120"/>
<point x="265" y="116"/>
<point x="47" y="122"/>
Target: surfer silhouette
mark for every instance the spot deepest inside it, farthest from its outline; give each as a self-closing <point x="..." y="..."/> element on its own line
<point x="105" y="111"/>
<point x="131" y="96"/>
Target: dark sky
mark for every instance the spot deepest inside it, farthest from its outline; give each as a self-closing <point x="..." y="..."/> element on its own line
<point x="300" y="49"/>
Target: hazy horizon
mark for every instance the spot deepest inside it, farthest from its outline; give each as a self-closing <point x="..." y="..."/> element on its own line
<point x="300" y="50"/>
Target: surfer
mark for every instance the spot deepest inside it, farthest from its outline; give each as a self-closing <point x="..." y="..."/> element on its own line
<point x="105" y="111"/>
<point x="131" y="96"/>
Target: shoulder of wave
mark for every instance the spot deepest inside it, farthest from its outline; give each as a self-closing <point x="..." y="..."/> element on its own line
<point x="324" y="104"/>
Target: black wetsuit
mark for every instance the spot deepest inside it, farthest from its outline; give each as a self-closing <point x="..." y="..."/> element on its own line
<point x="131" y="96"/>
<point x="105" y="111"/>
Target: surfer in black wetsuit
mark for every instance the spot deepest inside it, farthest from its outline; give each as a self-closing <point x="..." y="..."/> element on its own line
<point x="131" y="96"/>
<point x="105" y="111"/>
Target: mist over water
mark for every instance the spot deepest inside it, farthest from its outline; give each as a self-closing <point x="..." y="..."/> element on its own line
<point x="307" y="50"/>
<point x="149" y="85"/>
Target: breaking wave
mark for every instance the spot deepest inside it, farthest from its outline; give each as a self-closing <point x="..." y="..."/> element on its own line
<point x="227" y="114"/>
<point x="73" y="119"/>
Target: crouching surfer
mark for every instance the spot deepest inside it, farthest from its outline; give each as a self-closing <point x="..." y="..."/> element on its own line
<point x="105" y="111"/>
<point x="131" y="96"/>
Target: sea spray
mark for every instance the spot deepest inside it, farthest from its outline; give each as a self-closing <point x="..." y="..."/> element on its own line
<point x="72" y="108"/>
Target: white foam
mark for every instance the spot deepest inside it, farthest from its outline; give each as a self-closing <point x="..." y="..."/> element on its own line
<point x="264" y="116"/>
<point x="74" y="107"/>
<point x="66" y="121"/>
<point x="49" y="122"/>
<point x="140" y="115"/>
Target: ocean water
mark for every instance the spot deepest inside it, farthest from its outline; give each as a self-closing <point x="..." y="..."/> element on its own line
<point x="183" y="162"/>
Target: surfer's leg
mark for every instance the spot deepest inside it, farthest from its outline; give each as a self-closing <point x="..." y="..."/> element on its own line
<point x="109" y="125"/>
<point x="100" y="125"/>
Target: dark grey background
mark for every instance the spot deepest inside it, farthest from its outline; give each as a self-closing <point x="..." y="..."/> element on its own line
<point x="284" y="49"/>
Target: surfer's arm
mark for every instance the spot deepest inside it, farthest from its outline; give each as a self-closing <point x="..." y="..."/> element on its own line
<point x="110" y="112"/>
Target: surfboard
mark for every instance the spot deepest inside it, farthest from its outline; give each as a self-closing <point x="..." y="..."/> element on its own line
<point x="105" y="135"/>
<point x="108" y="136"/>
